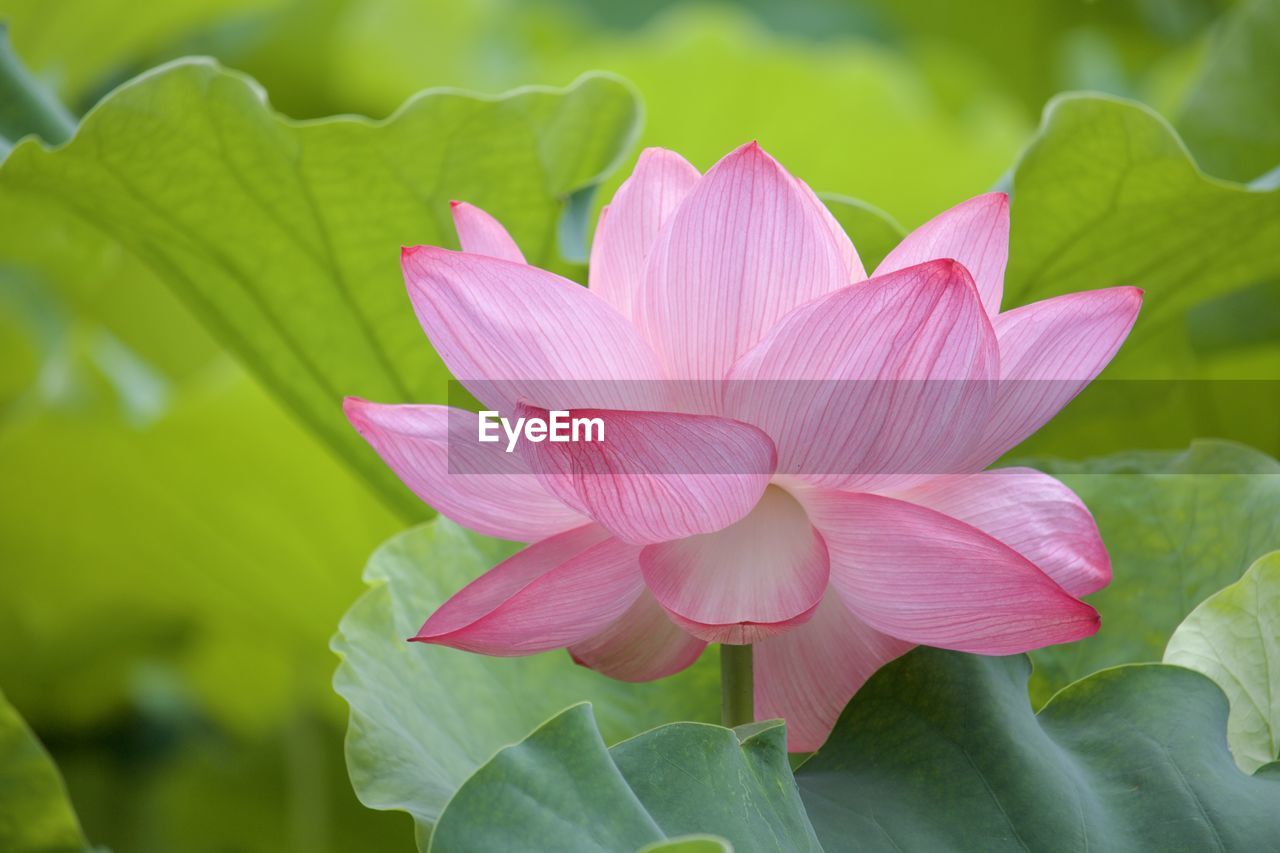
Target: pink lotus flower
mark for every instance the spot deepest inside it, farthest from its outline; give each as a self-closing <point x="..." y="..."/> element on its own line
<point x="841" y="518"/>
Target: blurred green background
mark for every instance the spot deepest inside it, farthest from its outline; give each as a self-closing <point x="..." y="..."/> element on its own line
<point x="177" y="546"/>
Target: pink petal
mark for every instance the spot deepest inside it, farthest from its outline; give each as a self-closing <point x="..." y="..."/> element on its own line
<point x="623" y="238"/>
<point x="974" y="232"/>
<point x="748" y="581"/>
<point x="656" y="476"/>
<point x="481" y="234"/>
<point x="745" y="247"/>
<point x="1033" y="514"/>
<point x="509" y="332"/>
<point x="878" y="383"/>
<point x="555" y="593"/>
<point x="641" y="645"/>
<point x="807" y="675"/>
<point x="925" y="577"/>
<point x="1049" y="351"/>
<point x="433" y="451"/>
<point x="848" y="254"/>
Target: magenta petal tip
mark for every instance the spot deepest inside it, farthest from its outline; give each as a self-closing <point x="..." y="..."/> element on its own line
<point x="353" y="408"/>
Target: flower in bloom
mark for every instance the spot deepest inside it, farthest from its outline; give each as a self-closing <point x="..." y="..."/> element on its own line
<point x="794" y="452"/>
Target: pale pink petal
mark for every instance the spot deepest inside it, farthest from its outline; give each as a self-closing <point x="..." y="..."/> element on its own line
<point x="748" y="581"/>
<point x="433" y="451"/>
<point x="655" y="476"/>
<point x="745" y="247"/>
<point x="624" y="236"/>
<point x="510" y="332"/>
<point x="924" y="577"/>
<point x="641" y="645"/>
<point x="555" y="593"/>
<point x="1049" y="351"/>
<point x="974" y="232"/>
<point x="807" y="675"/>
<point x="1033" y="514"/>
<point x="879" y="383"/>
<point x="481" y="234"/>
<point x="848" y="254"/>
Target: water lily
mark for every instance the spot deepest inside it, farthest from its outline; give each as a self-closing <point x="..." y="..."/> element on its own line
<point x="795" y="450"/>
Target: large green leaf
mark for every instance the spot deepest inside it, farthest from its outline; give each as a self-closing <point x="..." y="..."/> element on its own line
<point x="560" y="789"/>
<point x="284" y="236"/>
<point x="580" y="802"/>
<point x="1107" y="194"/>
<point x="938" y="751"/>
<point x="1229" y="117"/>
<point x="1234" y="638"/>
<point x="423" y="718"/>
<point x="707" y="779"/>
<point x="1179" y="527"/>
<point x="35" y="814"/>
<point x="941" y="751"/>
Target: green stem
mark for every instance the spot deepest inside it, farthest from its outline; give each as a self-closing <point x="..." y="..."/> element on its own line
<point x="737" y="700"/>
<point x="25" y="106"/>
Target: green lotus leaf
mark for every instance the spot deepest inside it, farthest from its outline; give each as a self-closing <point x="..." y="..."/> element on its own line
<point x="424" y="718"/>
<point x="1234" y="638"/>
<point x="560" y="789"/>
<point x="938" y="751"/>
<point x="1101" y="196"/>
<point x="941" y="751"/>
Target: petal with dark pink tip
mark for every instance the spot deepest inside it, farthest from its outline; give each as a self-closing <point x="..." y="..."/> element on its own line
<point x="509" y="331"/>
<point x="555" y="593"/>
<point x="974" y="232"/>
<point x="880" y="383"/>
<point x="751" y="580"/>
<point x="745" y="247"/>
<point x="1033" y="514"/>
<point x="925" y="577"/>
<point x="433" y="451"/>
<point x="1049" y="351"/>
